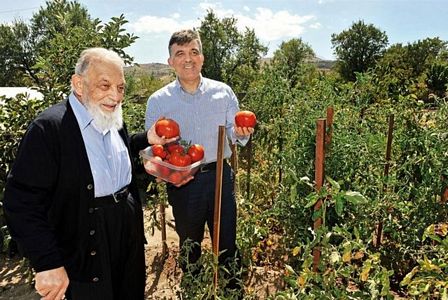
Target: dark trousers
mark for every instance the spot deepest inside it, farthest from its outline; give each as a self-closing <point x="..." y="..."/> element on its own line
<point x="118" y="263"/>
<point x="193" y="207"/>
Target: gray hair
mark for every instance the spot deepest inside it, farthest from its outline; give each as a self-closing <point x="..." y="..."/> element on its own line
<point x="183" y="37"/>
<point x="96" y="54"/>
<point x="93" y="54"/>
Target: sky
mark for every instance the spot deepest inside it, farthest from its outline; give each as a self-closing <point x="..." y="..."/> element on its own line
<point x="274" y="21"/>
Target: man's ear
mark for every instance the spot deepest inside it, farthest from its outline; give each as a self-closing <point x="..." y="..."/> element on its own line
<point x="170" y="61"/>
<point x="77" y="84"/>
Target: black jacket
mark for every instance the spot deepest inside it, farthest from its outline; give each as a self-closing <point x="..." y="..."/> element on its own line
<point x="49" y="189"/>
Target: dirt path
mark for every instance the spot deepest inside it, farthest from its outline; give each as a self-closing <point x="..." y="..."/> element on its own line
<point x="163" y="276"/>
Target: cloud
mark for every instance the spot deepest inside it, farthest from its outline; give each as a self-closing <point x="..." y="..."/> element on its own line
<point x="316" y="25"/>
<point x="281" y="24"/>
<point x="155" y="24"/>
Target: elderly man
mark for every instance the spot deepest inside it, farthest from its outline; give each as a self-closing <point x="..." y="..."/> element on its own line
<point x="71" y="202"/>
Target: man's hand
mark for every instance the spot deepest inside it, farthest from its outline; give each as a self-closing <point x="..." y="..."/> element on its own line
<point x="154" y="139"/>
<point x="52" y="284"/>
<point x="186" y="180"/>
<point x="244" y="131"/>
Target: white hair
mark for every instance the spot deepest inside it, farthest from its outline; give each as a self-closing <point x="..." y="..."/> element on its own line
<point x="92" y="54"/>
<point x="96" y="54"/>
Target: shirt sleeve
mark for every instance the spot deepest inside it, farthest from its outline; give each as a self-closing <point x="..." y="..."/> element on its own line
<point x="152" y="112"/>
<point x="230" y="122"/>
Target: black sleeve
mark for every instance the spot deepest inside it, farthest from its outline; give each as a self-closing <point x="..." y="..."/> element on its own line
<point x="138" y="141"/>
<point x="27" y="199"/>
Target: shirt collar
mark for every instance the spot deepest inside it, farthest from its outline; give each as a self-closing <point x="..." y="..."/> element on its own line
<point x="200" y="88"/>
<point x="82" y="115"/>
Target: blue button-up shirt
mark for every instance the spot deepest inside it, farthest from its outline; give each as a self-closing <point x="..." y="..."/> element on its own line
<point x="199" y="114"/>
<point x="108" y="156"/>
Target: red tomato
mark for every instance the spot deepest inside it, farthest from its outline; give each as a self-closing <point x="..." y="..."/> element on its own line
<point x="175" y="148"/>
<point x="245" y="118"/>
<point x="167" y="128"/>
<point x="158" y="150"/>
<point x="175" y="177"/>
<point x="196" y="152"/>
<point x="180" y="160"/>
<point x="154" y="167"/>
<point x="162" y="172"/>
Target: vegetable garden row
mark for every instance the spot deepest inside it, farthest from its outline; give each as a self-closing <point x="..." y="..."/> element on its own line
<point x="377" y="225"/>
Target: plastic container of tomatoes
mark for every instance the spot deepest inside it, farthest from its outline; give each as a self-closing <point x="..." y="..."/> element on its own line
<point x="166" y="171"/>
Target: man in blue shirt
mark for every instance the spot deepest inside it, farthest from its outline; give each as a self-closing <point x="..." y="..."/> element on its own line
<point x="71" y="201"/>
<point x="200" y="105"/>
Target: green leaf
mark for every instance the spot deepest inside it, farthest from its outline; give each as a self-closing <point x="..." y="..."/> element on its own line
<point x="339" y="205"/>
<point x="354" y="197"/>
<point x="334" y="185"/>
<point x="407" y="279"/>
<point x="317" y="214"/>
<point x="311" y="199"/>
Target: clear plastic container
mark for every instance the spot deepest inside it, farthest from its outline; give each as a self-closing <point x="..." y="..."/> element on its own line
<point x="166" y="171"/>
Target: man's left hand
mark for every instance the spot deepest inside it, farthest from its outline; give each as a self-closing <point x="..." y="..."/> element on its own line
<point x="244" y="131"/>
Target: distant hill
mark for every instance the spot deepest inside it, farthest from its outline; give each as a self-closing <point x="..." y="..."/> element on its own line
<point x="322" y="64"/>
<point x="157" y="70"/>
<point x="164" y="71"/>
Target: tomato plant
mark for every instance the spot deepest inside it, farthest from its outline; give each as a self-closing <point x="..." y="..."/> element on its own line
<point x="167" y="128"/>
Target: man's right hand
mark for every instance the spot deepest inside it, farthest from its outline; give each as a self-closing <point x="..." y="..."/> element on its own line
<point x="154" y="139"/>
<point x="52" y="284"/>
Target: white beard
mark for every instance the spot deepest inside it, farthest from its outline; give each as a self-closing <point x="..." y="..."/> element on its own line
<point x="105" y="121"/>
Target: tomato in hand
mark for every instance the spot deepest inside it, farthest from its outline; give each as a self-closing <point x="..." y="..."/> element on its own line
<point x="158" y="150"/>
<point x="196" y="152"/>
<point x="167" y="128"/>
<point x="245" y="118"/>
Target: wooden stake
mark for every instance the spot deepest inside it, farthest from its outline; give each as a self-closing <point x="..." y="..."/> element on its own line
<point x="163" y="229"/>
<point x="218" y="193"/>
<point x="319" y="178"/>
<point x="379" y="226"/>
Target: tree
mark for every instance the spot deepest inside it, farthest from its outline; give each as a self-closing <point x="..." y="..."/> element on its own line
<point x="230" y="56"/>
<point x="47" y="49"/>
<point x="358" y="48"/>
<point x="421" y="54"/>
<point x="14" y="54"/>
<point x="403" y="67"/>
<point x="291" y="58"/>
<point x="9" y="51"/>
